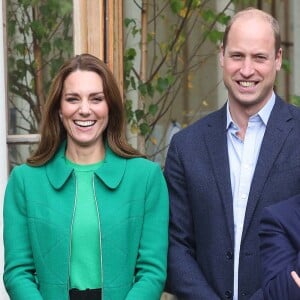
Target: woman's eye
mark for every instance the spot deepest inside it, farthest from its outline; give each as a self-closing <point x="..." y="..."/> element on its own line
<point x="98" y="99"/>
<point x="71" y="99"/>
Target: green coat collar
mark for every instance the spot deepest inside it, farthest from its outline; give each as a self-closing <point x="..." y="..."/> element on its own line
<point x="110" y="172"/>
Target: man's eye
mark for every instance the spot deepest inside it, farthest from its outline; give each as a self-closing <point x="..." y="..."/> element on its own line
<point x="236" y="56"/>
<point x="260" y="58"/>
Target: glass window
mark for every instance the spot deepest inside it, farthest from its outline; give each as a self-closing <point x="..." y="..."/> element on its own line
<point x="39" y="39"/>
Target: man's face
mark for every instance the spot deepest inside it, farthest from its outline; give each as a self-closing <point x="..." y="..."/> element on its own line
<point x="250" y="63"/>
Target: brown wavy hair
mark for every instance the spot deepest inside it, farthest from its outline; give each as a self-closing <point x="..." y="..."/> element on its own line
<point x="52" y="130"/>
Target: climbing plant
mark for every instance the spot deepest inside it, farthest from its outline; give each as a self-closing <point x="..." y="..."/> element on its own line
<point x="39" y="38"/>
<point x="165" y="67"/>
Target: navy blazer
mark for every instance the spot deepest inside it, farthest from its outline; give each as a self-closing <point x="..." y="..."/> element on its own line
<point x="201" y="231"/>
<point x="280" y="249"/>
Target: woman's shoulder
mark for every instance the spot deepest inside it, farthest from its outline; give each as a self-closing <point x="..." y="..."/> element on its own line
<point x="25" y="169"/>
<point x="143" y="168"/>
<point x="142" y="162"/>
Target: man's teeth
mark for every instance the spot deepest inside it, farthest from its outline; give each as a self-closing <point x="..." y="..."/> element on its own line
<point x="247" y="83"/>
<point x="84" y="123"/>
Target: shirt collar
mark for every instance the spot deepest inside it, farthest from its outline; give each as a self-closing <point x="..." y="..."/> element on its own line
<point x="264" y="113"/>
<point x="110" y="172"/>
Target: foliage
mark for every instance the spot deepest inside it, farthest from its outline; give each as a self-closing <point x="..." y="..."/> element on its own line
<point x="39" y="38"/>
<point x="295" y="99"/>
<point x="171" y="24"/>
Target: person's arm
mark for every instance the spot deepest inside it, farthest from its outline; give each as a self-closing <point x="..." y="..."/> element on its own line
<point x="19" y="271"/>
<point x="258" y="295"/>
<point x="151" y="262"/>
<point x="279" y="259"/>
<point x="185" y="278"/>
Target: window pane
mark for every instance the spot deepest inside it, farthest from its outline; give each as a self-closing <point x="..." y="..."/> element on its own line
<point x="18" y="153"/>
<point x="39" y="39"/>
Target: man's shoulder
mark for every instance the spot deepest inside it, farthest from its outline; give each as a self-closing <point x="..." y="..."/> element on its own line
<point x="293" y="109"/>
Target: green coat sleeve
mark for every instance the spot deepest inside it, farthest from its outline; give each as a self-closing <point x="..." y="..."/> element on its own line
<point x="152" y="255"/>
<point x="19" y="270"/>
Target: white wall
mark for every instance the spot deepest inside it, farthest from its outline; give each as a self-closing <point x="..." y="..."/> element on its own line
<point x="3" y="145"/>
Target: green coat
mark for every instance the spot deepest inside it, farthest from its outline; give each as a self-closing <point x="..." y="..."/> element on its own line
<point x="38" y="213"/>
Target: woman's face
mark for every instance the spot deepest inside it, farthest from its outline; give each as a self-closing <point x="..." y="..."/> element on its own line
<point x="83" y="109"/>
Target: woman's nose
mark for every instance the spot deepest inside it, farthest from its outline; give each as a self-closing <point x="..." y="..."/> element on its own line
<point x="84" y="107"/>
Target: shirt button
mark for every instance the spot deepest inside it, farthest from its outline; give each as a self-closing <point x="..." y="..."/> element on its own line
<point x="228" y="294"/>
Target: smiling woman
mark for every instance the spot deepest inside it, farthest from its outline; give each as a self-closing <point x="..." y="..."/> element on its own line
<point x="84" y="114"/>
<point x="90" y="213"/>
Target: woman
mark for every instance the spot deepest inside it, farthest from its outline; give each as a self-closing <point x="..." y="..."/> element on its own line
<point x="87" y="216"/>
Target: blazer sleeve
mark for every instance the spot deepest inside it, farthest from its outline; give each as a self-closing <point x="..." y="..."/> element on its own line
<point x="19" y="271"/>
<point x="151" y="265"/>
<point x="184" y="276"/>
<point x="279" y="257"/>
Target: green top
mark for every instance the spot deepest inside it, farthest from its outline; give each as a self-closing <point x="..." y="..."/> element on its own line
<point x="86" y="251"/>
<point x="133" y="202"/>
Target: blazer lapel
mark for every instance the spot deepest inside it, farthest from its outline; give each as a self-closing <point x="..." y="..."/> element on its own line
<point x="216" y="142"/>
<point x="276" y="132"/>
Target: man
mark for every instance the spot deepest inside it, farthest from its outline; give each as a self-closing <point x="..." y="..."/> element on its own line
<point x="222" y="170"/>
<point x="280" y="249"/>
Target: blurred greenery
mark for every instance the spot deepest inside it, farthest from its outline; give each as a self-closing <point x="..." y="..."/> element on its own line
<point x="39" y="39"/>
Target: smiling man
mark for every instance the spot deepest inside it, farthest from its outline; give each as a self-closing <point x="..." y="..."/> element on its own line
<point x="224" y="169"/>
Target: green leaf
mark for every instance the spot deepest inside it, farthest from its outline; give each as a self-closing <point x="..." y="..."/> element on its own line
<point x="139" y="114"/>
<point x="130" y="53"/>
<point x="128" y="21"/>
<point x="21" y="65"/>
<point x="162" y="84"/>
<point x="144" y="128"/>
<point x="132" y="82"/>
<point x="20" y="48"/>
<point x="286" y="65"/>
<point x="66" y="7"/>
<point x="38" y="29"/>
<point x="215" y="36"/>
<point x="223" y="19"/>
<point x="153" y="108"/>
<point x="128" y="109"/>
<point x="150" y="90"/>
<point x="11" y="27"/>
<point x="295" y="99"/>
<point x="208" y="15"/>
<point x="128" y="65"/>
<point x="143" y="89"/>
<point x="176" y="6"/>
<point x="46" y="47"/>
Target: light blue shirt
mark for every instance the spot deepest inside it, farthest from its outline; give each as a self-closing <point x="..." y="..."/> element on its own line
<point x="243" y="156"/>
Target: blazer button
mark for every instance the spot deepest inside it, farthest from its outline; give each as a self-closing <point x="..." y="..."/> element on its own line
<point x="228" y="294"/>
<point x="229" y="255"/>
